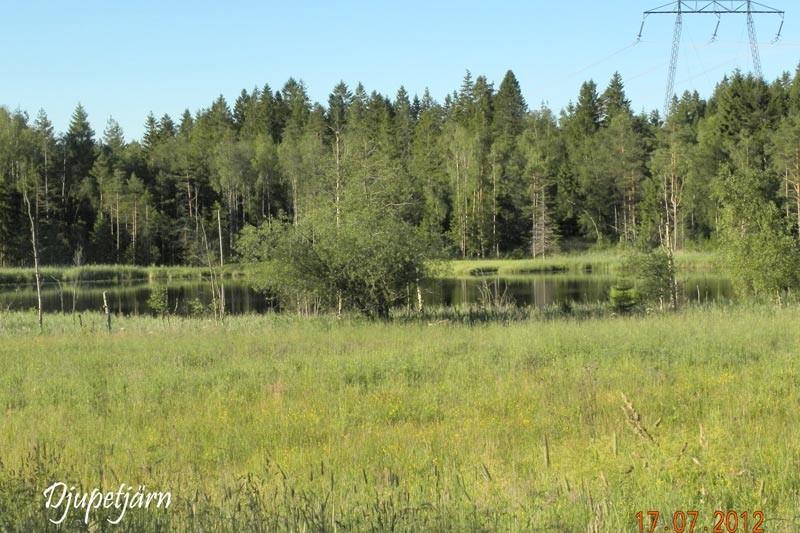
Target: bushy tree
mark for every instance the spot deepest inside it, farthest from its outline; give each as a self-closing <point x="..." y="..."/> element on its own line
<point x="368" y="262"/>
<point x="759" y="250"/>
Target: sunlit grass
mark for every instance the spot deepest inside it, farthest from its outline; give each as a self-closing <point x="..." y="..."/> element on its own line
<point x="607" y="261"/>
<point x="586" y="262"/>
<point x="434" y="426"/>
<point x="111" y="273"/>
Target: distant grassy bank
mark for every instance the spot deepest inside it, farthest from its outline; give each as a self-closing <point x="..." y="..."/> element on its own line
<point x="278" y="423"/>
<point x="111" y="273"/>
<point x="586" y="262"/>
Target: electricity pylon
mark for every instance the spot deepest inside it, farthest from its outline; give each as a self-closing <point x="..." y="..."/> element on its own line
<point x="718" y="8"/>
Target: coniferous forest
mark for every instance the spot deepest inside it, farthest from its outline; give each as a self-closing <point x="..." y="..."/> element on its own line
<point x="483" y="173"/>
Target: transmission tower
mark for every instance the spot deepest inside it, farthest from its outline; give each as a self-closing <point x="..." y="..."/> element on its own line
<point x="679" y="8"/>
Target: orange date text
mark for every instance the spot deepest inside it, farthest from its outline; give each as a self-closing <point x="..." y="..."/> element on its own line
<point x="692" y="522"/>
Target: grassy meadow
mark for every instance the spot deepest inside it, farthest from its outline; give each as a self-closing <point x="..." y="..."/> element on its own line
<point x="273" y="422"/>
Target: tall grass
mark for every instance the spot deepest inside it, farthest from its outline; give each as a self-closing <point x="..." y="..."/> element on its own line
<point x="277" y="423"/>
<point x="111" y="273"/>
<point x="607" y="261"/>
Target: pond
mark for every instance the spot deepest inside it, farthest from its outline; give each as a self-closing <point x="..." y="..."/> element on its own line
<point x="538" y="290"/>
<point x="542" y="290"/>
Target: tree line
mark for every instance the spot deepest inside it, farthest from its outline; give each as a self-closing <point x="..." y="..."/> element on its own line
<point x="478" y="175"/>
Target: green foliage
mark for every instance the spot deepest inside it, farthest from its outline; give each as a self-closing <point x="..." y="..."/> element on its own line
<point x="480" y="174"/>
<point x="158" y="302"/>
<point x="654" y="274"/>
<point x="759" y="250"/>
<point x="366" y="261"/>
<point x="623" y="298"/>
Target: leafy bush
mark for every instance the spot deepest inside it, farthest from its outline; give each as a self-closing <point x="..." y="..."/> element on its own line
<point x="364" y="262"/>
<point x="654" y="274"/>
<point x="158" y="301"/>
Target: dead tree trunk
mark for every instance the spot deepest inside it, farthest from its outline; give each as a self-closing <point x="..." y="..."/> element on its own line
<point x="107" y="311"/>
<point x="34" y="243"/>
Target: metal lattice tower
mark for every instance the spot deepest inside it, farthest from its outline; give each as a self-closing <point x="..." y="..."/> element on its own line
<point x="679" y="8"/>
<point x="751" y="32"/>
<point x="673" y="62"/>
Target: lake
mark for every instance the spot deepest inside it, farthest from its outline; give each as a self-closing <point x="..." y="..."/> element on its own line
<point x="538" y="290"/>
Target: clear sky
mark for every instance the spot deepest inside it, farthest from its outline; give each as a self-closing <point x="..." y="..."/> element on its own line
<point x="124" y="59"/>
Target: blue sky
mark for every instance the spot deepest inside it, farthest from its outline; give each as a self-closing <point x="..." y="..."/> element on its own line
<point x="124" y="59"/>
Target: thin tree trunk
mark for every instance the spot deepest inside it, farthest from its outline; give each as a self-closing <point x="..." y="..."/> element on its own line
<point x="543" y="224"/>
<point x="189" y="196"/>
<point x="219" y="229"/>
<point x="786" y="190"/>
<point x="35" y="258"/>
<point x="667" y="224"/>
<point x="221" y="265"/>
<point x="211" y="269"/>
<point x="338" y="177"/>
<point x="46" y="206"/>
<point x="107" y="311"/>
<point x="339" y="301"/>
<point x="117" y="227"/>
<point x="269" y="206"/>
<point x="64" y="181"/>
<point x="231" y="220"/>
<point x="797" y="201"/>
<point x="294" y="200"/>
<point x="494" y="212"/>
<point x="134" y="231"/>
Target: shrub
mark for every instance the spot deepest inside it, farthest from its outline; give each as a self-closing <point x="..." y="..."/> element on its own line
<point x="365" y="261"/>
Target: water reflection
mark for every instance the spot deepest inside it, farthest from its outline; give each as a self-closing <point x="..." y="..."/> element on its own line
<point x="132" y="299"/>
<point x="185" y="298"/>
<point x="547" y="289"/>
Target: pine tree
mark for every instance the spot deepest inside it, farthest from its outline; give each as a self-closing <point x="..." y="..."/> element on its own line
<point x="338" y="104"/>
<point x="587" y="115"/>
<point x="613" y="100"/>
<point x="166" y="128"/>
<point x="427" y="166"/>
<point x="187" y="123"/>
<point x="44" y="132"/>
<point x="114" y="138"/>
<point x="507" y="167"/>
<point x="241" y="108"/>
<point x="150" y="138"/>
<point x="403" y="125"/>
<point x="80" y="147"/>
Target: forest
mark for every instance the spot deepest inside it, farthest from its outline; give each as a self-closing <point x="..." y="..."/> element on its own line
<point x="366" y="410"/>
<point x="480" y="174"/>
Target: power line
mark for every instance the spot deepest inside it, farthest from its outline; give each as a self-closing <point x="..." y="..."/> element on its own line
<point x="679" y="8"/>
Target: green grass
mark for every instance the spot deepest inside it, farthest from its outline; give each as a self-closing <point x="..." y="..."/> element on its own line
<point x="605" y="261"/>
<point x="279" y="423"/>
<point x="111" y="273"/>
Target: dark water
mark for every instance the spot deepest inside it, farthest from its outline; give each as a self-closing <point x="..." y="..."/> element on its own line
<point x="543" y="290"/>
<point x="188" y="298"/>
<point x="132" y="299"/>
